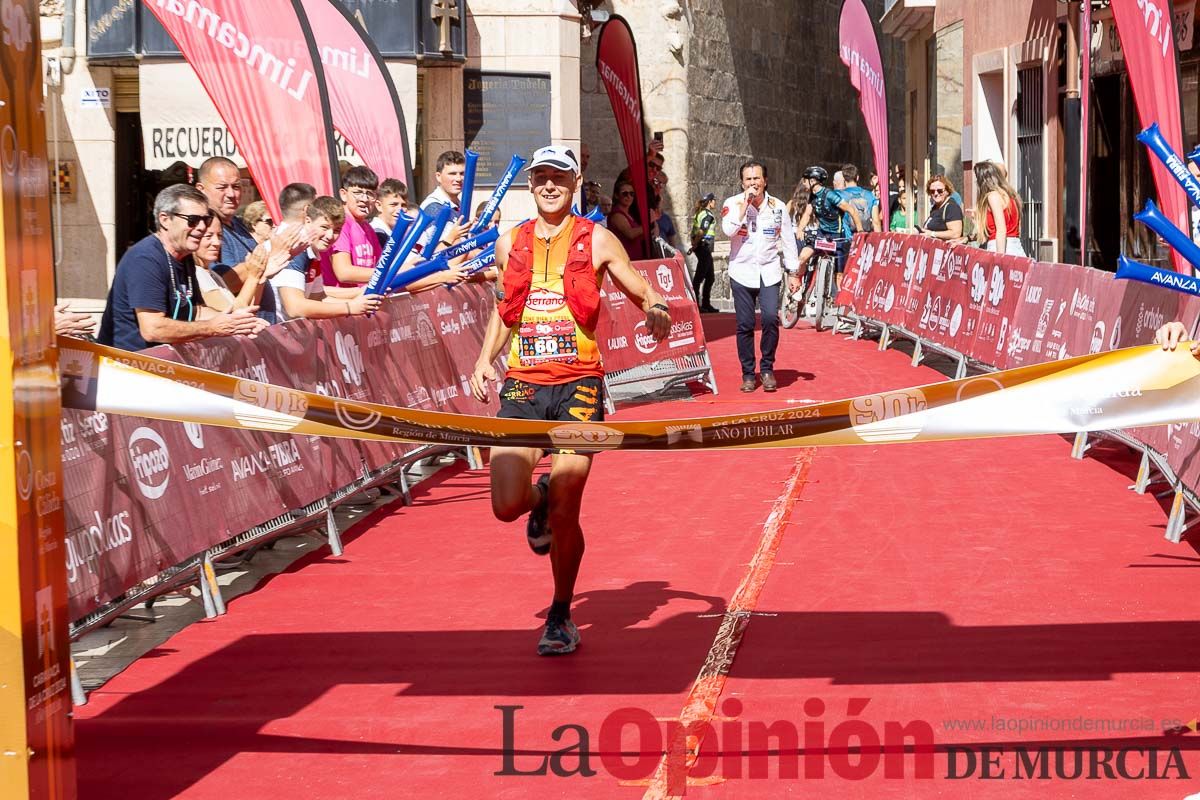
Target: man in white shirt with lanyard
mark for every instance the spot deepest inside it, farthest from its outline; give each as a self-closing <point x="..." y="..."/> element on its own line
<point x="757" y="225"/>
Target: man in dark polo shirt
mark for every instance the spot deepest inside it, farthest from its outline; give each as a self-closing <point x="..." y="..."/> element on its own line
<point x="154" y="297"/>
<point x="220" y="180"/>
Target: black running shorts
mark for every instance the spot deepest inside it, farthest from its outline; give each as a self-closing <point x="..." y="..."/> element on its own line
<point x="577" y="401"/>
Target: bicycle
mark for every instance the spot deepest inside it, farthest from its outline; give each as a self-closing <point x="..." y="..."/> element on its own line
<point x="817" y="290"/>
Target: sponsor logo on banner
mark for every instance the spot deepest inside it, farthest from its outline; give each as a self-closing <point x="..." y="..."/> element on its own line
<point x="1114" y="340"/>
<point x="94" y="429"/>
<point x="1044" y="320"/>
<point x="444" y="309"/>
<point x="544" y="301"/>
<point x="283" y="457"/>
<point x="425" y="330"/>
<point x="978" y="283"/>
<point x="252" y="372"/>
<point x="151" y="462"/>
<point x="916" y="264"/>
<point x="996" y="294"/>
<point x="417" y="397"/>
<point x="890" y="408"/>
<point x="643" y="340"/>
<point x="1083" y="306"/>
<point x="883" y="296"/>
<point x="24" y="472"/>
<point x="956" y="319"/>
<point x="618" y="343"/>
<point x="1150" y="318"/>
<point x="285" y="408"/>
<point x="98" y="537"/>
<point x="866" y="259"/>
<point x="350" y="356"/>
<point x="195" y="434"/>
<point x="44" y="605"/>
<point x="586" y="437"/>
<point x="682" y="333"/>
<point x="666" y="278"/>
<point x="1097" y="343"/>
<point x="1018" y="344"/>
<point x="355" y="417"/>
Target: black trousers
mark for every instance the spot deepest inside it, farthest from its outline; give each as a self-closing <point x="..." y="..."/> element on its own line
<point x="745" y="300"/>
<point x="702" y="281"/>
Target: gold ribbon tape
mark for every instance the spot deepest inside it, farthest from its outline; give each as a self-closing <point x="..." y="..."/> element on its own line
<point x="1133" y="387"/>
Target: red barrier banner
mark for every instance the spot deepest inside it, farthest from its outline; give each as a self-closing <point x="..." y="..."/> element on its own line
<point x="1151" y="56"/>
<point x="616" y="61"/>
<point x="859" y="263"/>
<point x="624" y="341"/>
<point x="996" y="287"/>
<point x="363" y="102"/>
<point x="259" y="64"/>
<point x="942" y="316"/>
<point x="860" y="52"/>
<point x="143" y="495"/>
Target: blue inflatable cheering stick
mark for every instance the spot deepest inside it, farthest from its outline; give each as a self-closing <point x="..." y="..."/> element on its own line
<point x="468" y="189"/>
<point x="1128" y="269"/>
<point x="410" y="241"/>
<point x="1152" y="138"/>
<point x="442" y="260"/>
<point x="1153" y="219"/>
<point x="394" y="252"/>
<point x="506" y="181"/>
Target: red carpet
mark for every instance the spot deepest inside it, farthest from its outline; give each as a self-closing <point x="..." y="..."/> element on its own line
<point x="998" y="583"/>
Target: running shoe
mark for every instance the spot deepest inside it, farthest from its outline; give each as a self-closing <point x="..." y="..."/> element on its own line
<point x="537" y="529"/>
<point x="559" y="637"/>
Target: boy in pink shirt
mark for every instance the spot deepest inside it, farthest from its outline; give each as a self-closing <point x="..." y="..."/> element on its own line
<point x="352" y="259"/>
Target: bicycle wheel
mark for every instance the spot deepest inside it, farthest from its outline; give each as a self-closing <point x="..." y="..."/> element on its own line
<point x="820" y="280"/>
<point x="789" y="305"/>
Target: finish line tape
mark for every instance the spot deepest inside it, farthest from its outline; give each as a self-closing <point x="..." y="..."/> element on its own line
<point x="1133" y="387"/>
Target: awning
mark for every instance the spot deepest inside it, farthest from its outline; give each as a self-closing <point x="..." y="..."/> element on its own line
<point x="180" y="122"/>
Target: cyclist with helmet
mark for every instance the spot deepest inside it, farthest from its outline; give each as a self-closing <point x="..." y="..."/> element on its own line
<point x="828" y="208"/>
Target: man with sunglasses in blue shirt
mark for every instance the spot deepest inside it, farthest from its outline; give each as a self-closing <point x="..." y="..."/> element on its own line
<point x="154" y="298"/>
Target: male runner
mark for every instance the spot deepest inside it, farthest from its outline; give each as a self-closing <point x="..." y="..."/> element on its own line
<point x="551" y="268"/>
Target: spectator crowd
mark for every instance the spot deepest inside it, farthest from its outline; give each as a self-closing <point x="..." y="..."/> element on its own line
<point x="211" y="267"/>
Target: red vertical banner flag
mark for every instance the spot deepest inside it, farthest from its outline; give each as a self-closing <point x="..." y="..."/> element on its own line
<point x="616" y="61"/>
<point x="1148" y="43"/>
<point x="363" y="102"/>
<point x="259" y="64"/>
<point x="860" y="52"/>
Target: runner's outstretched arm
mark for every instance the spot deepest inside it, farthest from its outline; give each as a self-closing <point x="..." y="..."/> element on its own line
<point x="608" y="254"/>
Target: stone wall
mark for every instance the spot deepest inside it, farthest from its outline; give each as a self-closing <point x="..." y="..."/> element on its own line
<point x="726" y="80"/>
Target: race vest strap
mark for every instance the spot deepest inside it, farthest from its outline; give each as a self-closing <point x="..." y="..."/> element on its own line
<point x="579" y="276"/>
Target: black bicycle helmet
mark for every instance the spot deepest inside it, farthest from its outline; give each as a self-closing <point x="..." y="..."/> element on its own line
<point x="817" y="174"/>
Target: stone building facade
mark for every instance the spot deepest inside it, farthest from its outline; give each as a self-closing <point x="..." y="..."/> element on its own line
<point x="725" y="81"/>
